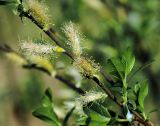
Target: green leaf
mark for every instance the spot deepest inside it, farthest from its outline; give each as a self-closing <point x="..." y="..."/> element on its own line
<point x="129" y="60"/>
<point x="45" y="111"/>
<point x="121" y="66"/>
<point x="82" y="120"/>
<point x="132" y="104"/>
<point x="97" y="114"/>
<point x="131" y="95"/>
<point x="147" y="64"/>
<point x="137" y="88"/>
<point x="96" y="118"/>
<point x="142" y="95"/>
<point x="116" y="68"/>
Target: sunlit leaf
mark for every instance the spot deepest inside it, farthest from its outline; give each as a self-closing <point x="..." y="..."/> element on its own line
<point x="136" y="88"/>
<point x="147" y="64"/>
<point x="82" y="120"/>
<point x="142" y="95"/>
<point x="121" y="66"/>
<point x="97" y="114"/>
<point x="45" y="111"/>
<point x="128" y="59"/>
<point x="116" y="68"/>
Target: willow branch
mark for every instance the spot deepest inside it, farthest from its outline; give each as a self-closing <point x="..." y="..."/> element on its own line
<point x="51" y="33"/>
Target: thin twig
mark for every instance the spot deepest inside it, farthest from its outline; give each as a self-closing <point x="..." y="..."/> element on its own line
<point x="58" y="77"/>
<point x="108" y="92"/>
<point x="69" y="84"/>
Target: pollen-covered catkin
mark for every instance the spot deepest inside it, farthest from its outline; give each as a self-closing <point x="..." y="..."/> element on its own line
<point x="90" y="96"/>
<point x="40" y="12"/>
<point x="74" y="38"/>
<point x="31" y="48"/>
<point x="86" y="66"/>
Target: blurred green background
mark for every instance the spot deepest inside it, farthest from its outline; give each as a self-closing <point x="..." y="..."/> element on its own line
<point x="108" y="26"/>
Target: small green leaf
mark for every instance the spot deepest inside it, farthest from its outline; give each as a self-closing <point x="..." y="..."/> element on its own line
<point x="45" y="111"/>
<point x="129" y="60"/>
<point x="48" y="93"/>
<point x="147" y="64"/>
<point x="116" y="68"/>
<point x="100" y="109"/>
<point x="96" y="118"/>
<point x="132" y="104"/>
<point x="97" y="114"/>
<point x="131" y="95"/>
<point x="137" y="88"/>
<point x="142" y="95"/>
<point x="82" y="120"/>
<point x="121" y="66"/>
